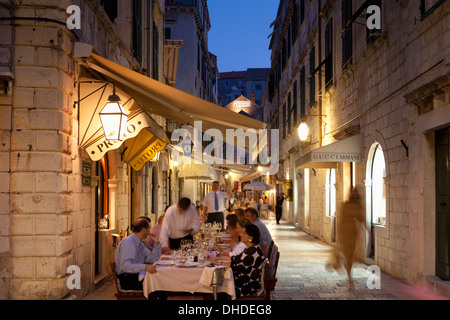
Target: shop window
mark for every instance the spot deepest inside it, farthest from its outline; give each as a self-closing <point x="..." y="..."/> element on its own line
<point x="377" y="172"/>
<point x="330" y="190"/>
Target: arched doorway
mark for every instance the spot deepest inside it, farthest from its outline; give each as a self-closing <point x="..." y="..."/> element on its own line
<point x="376" y="190"/>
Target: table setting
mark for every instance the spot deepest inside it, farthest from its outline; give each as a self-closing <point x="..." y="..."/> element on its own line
<point x="191" y="268"/>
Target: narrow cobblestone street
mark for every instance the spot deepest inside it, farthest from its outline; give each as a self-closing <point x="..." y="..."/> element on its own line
<point x="302" y="276"/>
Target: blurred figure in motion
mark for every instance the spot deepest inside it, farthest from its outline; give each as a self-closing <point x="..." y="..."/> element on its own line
<point x="352" y="214"/>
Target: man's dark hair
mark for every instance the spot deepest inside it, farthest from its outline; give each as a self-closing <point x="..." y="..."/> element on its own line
<point x="253" y="211"/>
<point x="184" y="203"/>
<point x="253" y="231"/>
<point x="232" y="220"/>
<point x="216" y="182"/>
<point x="239" y="212"/>
<point x="145" y="218"/>
<point x="139" y="225"/>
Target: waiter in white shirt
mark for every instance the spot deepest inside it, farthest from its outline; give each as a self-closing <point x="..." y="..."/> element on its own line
<point x="214" y="204"/>
<point x="181" y="222"/>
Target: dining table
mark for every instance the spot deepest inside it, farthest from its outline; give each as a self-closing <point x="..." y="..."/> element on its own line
<point x="177" y="275"/>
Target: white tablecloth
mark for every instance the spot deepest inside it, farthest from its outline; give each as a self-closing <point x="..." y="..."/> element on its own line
<point x="192" y="280"/>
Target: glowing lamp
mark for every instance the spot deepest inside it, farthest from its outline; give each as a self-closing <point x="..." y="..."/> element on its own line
<point x="114" y="118"/>
<point x="303" y="131"/>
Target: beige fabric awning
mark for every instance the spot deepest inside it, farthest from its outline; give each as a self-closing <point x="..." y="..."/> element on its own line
<point x="347" y="150"/>
<point x="251" y="176"/>
<point x="196" y="171"/>
<point x="161" y="99"/>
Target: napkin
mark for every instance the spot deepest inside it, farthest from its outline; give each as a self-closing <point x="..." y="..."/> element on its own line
<point x="142" y="275"/>
<point x="207" y="275"/>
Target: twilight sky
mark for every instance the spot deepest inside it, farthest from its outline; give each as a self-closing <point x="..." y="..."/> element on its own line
<point x="239" y="31"/>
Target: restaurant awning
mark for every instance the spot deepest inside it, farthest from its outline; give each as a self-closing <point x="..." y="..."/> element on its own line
<point x="93" y="97"/>
<point x="171" y="49"/>
<point x="196" y="171"/>
<point x="347" y="150"/>
<point x="250" y="177"/>
<point x="161" y="99"/>
<point x="143" y="148"/>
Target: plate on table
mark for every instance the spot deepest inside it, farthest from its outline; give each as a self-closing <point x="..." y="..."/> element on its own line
<point x="164" y="263"/>
<point x="187" y="264"/>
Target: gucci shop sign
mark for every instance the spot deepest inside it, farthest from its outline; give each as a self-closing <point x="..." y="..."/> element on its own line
<point x="336" y="157"/>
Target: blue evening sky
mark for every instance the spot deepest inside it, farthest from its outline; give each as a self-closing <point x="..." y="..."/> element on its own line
<point x="239" y="31"/>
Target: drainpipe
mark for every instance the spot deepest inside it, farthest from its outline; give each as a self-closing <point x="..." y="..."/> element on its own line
<point x="319" y="33"/>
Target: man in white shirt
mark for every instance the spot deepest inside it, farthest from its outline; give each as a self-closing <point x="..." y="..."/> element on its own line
<point x="181" y="222"/>
<point x="214" y="204"/>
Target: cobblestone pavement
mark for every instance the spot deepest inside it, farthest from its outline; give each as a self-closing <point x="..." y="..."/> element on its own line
<point x="302" y="276"/>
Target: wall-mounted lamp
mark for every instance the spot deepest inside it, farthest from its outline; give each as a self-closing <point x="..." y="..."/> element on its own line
<point x="114" y="118"/>
<point x="303" y="129"/>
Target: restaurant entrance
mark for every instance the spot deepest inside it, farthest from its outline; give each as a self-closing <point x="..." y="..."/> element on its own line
<point x="443" y="204"/>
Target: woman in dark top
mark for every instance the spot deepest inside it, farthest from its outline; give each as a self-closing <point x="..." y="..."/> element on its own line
<point x="247" y="266"/>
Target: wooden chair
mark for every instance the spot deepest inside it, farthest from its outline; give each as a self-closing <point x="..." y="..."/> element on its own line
<point x="125" y="294"/>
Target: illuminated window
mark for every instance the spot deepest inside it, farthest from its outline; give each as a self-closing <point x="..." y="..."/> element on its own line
<point x="377" y="167"/>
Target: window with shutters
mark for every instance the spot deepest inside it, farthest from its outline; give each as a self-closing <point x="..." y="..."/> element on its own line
<point x="137" y="30"/>
<point x="302" y="93"/>
<point x="295" y="106"/>
<point x="347" y="34"/>
<point x="110" y="7"/>
<point x="329" y="54"/>
<point x="155" y="52"/>
<point x="312" y="80"/>
<point x="372" y="35"/>
<point x="289" y="118"/>
<point x="284" y="120"/>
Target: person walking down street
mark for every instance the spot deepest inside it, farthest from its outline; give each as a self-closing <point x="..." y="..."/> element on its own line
<point x="279" y="207"/>
<point x="181" y="222"/>
<point x="214" y="204"/>
<point x="351" y="216"/>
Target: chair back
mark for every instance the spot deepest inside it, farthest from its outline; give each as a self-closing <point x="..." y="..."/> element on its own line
<point x="218" y="275"/>
<point x="273" y="261"/>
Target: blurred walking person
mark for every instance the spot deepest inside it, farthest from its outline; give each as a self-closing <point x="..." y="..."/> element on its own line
<point x="352" y="215"/>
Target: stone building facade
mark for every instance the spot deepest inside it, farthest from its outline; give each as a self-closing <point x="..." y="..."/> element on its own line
<point x="49" y="211"/>
<point x="385" y="92"/>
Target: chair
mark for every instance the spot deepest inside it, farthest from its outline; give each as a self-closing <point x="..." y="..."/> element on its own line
<point x="217" y="280"/>
<point x="264" y="208"/>
<point x="125" y="294"/>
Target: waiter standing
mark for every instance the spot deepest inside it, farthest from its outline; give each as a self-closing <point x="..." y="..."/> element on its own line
<point x="214" y="204"/>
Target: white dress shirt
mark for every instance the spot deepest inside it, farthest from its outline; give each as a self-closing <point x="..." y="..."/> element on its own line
<point x="174" y="223"/>
<point x="209" y="201"/>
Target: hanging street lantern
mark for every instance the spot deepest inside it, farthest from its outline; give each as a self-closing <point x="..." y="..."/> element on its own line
<point x="114" y="118"/>
<point x="303" y="131"/>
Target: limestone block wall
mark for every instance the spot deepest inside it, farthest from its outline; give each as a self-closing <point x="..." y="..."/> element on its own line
<point x="6" y="58"/>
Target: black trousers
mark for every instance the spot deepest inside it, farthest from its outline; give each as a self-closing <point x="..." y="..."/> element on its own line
<point x="130" y="281"/>
<point x="175" y="244"/>
<point x="216" y="217"/>
<point x="278" y="213"/>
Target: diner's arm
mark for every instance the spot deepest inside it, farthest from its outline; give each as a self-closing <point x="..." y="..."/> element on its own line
<point x="153" y="256"/>
<point x="126" y="260"/>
